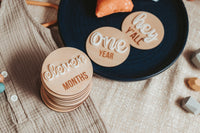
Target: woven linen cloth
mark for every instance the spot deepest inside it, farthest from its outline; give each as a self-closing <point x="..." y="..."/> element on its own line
<point x="149" y="106"/>
<point x="24" y="44"/>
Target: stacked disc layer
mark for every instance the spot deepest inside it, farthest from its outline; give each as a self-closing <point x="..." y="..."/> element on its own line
<point x="66" y="79"/>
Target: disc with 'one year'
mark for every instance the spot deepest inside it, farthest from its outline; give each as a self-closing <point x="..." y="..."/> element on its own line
<point x="143" y="29"/>
<point x="66" y="71"/>
<point x="107" y="46"/>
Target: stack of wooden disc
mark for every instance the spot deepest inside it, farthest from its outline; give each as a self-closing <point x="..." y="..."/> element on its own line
<point x="66" y="79"/>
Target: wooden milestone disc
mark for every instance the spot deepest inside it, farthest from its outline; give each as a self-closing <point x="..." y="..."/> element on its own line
<point x="144" y="30"/>
<point x="54" y="106"/>
<point x="73" y="102"/>
<point x="66" y="71"/>
<point x="65" y="97"/>
<point x="108" y="46"/>
<point x="70" y="100"/>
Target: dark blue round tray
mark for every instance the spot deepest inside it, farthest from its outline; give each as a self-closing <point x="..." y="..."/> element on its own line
<point x="76" y="19"/>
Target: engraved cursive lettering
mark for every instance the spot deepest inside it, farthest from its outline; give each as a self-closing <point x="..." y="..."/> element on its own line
<point x="56" y="71"/>
<point x="146" y="29"/>
<point x="110" y="43"/>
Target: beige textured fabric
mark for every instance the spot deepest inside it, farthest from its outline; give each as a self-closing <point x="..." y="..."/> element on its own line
<point x="24" y="44"/>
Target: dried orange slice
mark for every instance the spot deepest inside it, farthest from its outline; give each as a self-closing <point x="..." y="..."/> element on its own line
<point x="107" y="7"/>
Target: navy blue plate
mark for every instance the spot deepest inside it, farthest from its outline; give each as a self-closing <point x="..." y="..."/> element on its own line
<point x="77" y="20"/>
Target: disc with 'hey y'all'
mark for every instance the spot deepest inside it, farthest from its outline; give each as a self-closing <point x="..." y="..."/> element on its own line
<point x="143" y="29"/>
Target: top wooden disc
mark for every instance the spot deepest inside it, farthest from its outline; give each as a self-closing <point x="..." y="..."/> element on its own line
<point x="67" y="71"/>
